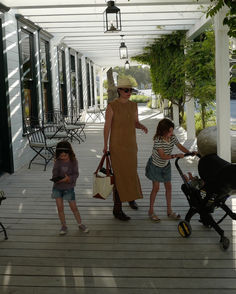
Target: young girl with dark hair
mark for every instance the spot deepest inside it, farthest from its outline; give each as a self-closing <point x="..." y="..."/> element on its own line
<point x="64" y="175"/>
<point x="158" y="168"/>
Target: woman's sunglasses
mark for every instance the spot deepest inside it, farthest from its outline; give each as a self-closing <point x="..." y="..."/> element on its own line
<point x="127" y="90"/>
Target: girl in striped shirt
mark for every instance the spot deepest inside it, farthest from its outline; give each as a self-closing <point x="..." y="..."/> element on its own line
<point x="158" y="167"/>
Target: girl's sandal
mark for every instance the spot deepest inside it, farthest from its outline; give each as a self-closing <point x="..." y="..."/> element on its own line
<point x="154" y="218"/>
<point x="174" y="215"/>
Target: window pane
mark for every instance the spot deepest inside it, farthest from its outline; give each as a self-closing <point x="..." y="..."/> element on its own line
<point x="26" y="56"/>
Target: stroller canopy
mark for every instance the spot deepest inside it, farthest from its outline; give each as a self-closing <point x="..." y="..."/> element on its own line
<point x="218" y="175"/>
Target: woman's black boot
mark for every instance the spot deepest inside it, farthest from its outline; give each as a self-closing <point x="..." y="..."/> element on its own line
<point x="117" y="210"/>
<point x="120" y="215"/>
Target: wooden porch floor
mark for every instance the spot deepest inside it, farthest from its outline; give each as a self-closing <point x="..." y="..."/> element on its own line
<point x="135" y="257"/>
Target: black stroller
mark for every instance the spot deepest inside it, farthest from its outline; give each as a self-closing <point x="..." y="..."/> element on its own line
<point x="219" y="178"/>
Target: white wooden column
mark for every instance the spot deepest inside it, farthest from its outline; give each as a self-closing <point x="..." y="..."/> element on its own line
<point x="154" y="101"/>
<point x="55" y="72"/>
<point x="222" y="87"/>
<point x="68" y="79"/>
<point x="77" y="81"/>
<point x="190" y="120"/>
<point x="165" y="104"/>
<point x="95" y="85"/>
<point x="38" y="68"/>
<point x="101" y="88"/>
<point x="84" y="81"/>
<point x="175" y="108"/>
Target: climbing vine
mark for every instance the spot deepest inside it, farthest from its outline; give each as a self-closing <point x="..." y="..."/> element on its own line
<point x="200" y="71"/>
<point x="166" y="57"/>
<point x="176" y="74"/>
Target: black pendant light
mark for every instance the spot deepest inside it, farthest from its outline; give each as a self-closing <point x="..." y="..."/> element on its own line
<point x="123" y="49"/>
<point x="127" y="65"/>
<point x="111" y="18"/>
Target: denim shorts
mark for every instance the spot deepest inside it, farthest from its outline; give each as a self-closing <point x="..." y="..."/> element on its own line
<point x="158" y="174"/>
<point x="65" y="194"/>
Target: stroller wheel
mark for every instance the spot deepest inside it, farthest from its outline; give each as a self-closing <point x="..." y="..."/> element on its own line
<point x="224" y="243"/>
<point x="184" y="229"/>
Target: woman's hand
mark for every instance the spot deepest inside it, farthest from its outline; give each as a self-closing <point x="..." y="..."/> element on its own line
<point x="144" y="129"/>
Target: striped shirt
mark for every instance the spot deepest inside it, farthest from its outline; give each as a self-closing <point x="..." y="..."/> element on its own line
<point x="167" y="147"/>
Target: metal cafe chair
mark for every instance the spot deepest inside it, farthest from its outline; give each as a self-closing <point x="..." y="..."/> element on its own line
<point x="75" y="128"/>
<point x="53" y="131"/>
<point x="94" y="114"/>
<point x="42" y="146"/>
<point x="2" y="197"/>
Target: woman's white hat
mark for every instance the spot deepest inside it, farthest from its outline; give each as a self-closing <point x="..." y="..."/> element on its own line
<point x="124" y="83"/>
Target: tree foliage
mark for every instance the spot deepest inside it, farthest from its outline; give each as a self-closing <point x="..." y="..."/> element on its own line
<point x="175" y="74"/>
<point x="166" y="57"/>
<point x="200" y="71"/>
<point x="140" y="74"/>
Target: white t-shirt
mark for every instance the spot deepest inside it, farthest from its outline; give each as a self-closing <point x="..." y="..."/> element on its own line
<point x="167" y="147"/>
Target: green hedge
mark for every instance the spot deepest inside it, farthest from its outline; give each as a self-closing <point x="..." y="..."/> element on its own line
<point x="135" y="98"/>
<point x="140" y="98"/>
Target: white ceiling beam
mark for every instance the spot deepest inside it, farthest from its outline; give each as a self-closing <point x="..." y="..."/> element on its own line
<point x="199" y="27"/>
<point x="134" y="17"/>
<point x="128" y="11"/>
<point x="27" y="4"/>
<point x="131" y="29"/>
<point x="93" y="24"/>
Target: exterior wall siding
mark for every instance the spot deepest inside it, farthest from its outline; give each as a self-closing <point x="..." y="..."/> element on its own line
<point x="21" y="151"/>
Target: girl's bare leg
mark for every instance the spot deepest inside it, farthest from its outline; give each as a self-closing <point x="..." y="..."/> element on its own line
<point x="60" y="210"/>
<point x="75" y="211"/>
<point x="168" y="188"/>
<point x="155" y="189"/>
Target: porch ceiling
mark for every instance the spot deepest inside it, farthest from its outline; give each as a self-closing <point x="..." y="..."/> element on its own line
<point x="79" y="23"/>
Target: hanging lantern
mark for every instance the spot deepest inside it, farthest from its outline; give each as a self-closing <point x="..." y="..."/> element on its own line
<point x="127" y="65"/>
<point x="123" y="49"/>
<point x="111" y="18"/>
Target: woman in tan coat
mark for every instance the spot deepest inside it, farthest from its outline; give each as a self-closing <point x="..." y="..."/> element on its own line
<point x="120" y="123"/>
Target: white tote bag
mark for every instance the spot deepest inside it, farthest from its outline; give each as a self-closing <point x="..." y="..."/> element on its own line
<point x="103" y="184"/>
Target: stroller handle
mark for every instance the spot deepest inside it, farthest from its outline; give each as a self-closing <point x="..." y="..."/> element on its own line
<point x="177" y="165"/>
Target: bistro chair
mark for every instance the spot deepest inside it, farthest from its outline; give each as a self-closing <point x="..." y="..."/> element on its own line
<point x="94" y="114"/>
<point x="53" y="131"/>
<point x="75" y="128"/>
<point x="42" y="146"/>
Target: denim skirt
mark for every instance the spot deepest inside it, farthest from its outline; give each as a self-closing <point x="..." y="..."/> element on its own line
<point x="158" y="174"/>
<point x="68" y="194"/>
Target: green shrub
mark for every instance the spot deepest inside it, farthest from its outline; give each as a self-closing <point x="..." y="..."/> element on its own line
<point x="149" y="104"/>
<point x="104" y="97"/>
<point x="140" y="98"/>
<point x="211" y="121"/>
